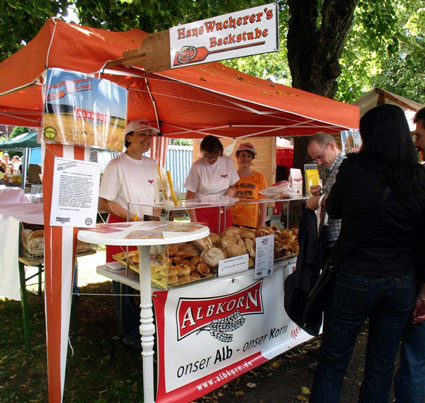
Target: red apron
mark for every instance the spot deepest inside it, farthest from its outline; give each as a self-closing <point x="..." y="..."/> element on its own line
<point x="209" y="216"/>
<point x="112" y="249"/>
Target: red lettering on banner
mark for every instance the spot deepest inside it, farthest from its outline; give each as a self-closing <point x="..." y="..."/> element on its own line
<point x="181" y="32"/>
<point x="84" y="114"/>
<point x="193" y="314"/>
<point x="209" y="26"/>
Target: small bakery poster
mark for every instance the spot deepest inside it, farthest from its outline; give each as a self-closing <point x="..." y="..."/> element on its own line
<point x="351" y="141"/>
<point x="82" y="110"/>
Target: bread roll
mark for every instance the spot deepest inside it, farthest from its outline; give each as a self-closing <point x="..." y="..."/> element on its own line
<point x="231" y="231"/>
<point x="33" y="235"/>
<point x="183" y="270"/>
<point x="250" y="247"/>
<point x="183" y="279"/>
<point x="172" y="271"/>
<point x="229" y="239"/>
<point x="214" y="238"/>
<point x="236" y="249"/>
<point x="190" y="248"/>
<point x="203" y="269"/>
<point x="172" y="250"/>
<point x="195" y="276"/>
<point x="247" y="235"/>
<point x="212" y="256"/>
<point x="172" y="280"/>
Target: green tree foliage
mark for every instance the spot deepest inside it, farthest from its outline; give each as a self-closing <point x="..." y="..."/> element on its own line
<point x="153" y="15"/>
<point x="337" y="48"/>
<point x="404" y="72"/>
<point x="17" y="130"/>
<point x="385" y="48"/>
<point x="20" y="20"/>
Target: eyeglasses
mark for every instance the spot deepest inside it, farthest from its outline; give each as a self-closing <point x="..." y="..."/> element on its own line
<point x="321" y="155"/>
<point x="210" y="158"/>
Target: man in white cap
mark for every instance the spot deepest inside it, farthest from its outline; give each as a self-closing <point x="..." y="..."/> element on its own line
<point x="129" y="181"/>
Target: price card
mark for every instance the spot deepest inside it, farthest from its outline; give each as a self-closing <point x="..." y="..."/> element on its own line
<point x="264" y="256"/>
<point x="232" y="265"/>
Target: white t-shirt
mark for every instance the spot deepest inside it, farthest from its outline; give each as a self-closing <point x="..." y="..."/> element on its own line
<point x="129" y="180"/>
<point x="206" y="179"/>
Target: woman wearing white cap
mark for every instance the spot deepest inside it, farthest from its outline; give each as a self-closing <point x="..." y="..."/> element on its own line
<point x="128" y="181"/>
<point x="248" y="187"/>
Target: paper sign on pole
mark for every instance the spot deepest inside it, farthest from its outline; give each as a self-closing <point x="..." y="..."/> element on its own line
<point x="243" y="33"/>
<point x="75" y="193"/>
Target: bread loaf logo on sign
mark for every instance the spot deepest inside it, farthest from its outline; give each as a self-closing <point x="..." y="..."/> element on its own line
<point x="220" y="316"/>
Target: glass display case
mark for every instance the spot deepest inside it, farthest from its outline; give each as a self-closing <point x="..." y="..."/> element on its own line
<point x="186" y="263"/>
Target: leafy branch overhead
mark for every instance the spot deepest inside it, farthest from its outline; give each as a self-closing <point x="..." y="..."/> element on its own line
<point x="335" y="48"/>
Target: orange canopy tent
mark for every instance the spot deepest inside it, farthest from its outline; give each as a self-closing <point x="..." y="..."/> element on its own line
<point x="188" y="102"/>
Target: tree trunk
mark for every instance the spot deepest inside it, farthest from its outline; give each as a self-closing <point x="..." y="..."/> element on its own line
<point x="315" y="44"/>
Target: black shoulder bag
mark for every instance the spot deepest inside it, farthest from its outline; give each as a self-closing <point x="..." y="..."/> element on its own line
<point x="319" y="294"/>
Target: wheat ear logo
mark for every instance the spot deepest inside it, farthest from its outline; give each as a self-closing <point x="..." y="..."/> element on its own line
<point x="221" y="328"/>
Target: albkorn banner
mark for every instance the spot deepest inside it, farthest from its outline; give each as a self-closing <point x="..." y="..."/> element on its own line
<point x="212" y="332"/>
<point x="80" y="109"/>
<point x="243" y="33"/>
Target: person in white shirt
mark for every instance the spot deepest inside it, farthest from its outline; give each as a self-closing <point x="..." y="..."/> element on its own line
<point x="126" y="191"/>
<point x="210" y="179"/>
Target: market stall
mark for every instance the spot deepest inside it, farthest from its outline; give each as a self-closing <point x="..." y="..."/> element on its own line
<point x="189" y="102"/>
<point x="27" y="143"/>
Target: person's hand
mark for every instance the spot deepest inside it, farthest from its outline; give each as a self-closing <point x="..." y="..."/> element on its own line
<point x="315" y="190"/>
<point x="419" y="311"/>
<point x="230" y="192"/>
<point x="312" y="203"/>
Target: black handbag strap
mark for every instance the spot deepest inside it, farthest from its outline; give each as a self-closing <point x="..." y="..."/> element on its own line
<point x="338" y="257"/>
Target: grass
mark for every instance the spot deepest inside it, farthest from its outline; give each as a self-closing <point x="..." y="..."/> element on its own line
<point x="90" y="373"/>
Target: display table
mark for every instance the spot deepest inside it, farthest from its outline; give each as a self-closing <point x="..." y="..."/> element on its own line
<point x="184" y="334"/>
<point x="144" y="235"/>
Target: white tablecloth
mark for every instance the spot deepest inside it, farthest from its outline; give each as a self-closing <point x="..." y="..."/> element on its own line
<point x="14" y="207"/>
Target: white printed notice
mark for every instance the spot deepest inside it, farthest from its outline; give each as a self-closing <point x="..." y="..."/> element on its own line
<point x="264" y="256"/>
<point x="75" y="193"/>
<point x="232" y="265"/>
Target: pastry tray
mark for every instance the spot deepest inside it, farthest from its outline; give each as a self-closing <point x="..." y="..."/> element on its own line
<point x="158" y="271"/>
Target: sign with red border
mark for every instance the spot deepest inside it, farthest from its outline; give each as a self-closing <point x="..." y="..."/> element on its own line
<point x="212" y="332"/>
<point x="243" y="33"/>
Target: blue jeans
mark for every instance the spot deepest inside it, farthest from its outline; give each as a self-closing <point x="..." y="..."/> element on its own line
<point x="388" y="303"/>
<point x="409" y="385"/>
<point x="130" y="319"/>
